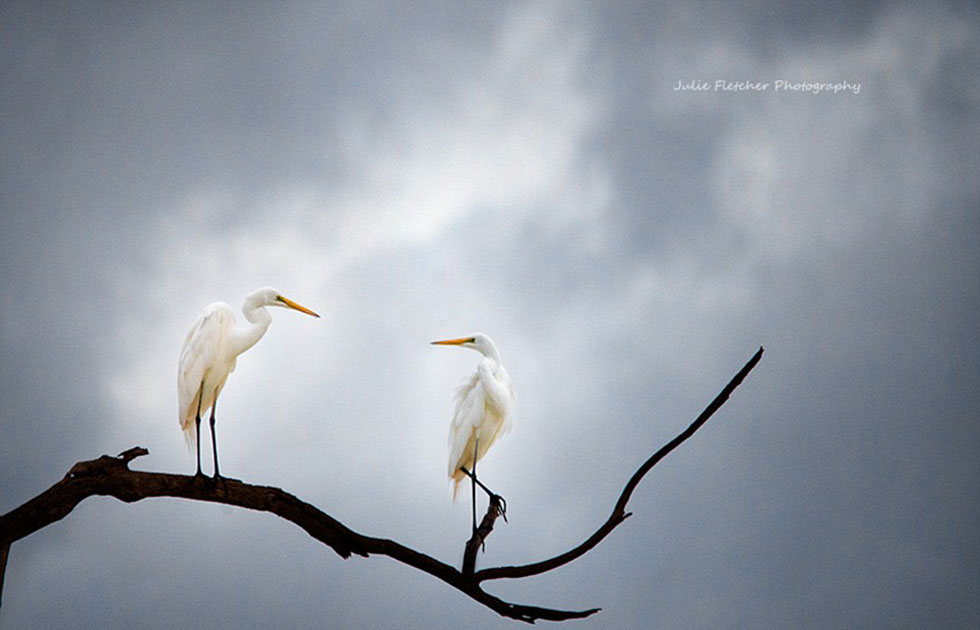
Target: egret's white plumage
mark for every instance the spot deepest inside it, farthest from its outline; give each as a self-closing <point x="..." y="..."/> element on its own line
<point x="209" y="354"/>
<point x="483" y="408"/>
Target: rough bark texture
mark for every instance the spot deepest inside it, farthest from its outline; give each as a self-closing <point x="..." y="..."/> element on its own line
<point x="111" y="476"/>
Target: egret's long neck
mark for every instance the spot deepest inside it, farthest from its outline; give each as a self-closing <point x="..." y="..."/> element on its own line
<point x="258" y="322"/>
<point x="490" y="352"/>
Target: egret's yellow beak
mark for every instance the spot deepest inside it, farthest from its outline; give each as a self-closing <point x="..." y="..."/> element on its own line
<point x="294" y="305"/>
<point x="453" y="342"/>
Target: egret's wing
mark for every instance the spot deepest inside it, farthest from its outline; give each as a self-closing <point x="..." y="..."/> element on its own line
<point x="470" y="403"/>
<point x="199" y="351"/>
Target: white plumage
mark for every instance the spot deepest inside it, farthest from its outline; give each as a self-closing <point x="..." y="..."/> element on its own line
<point x="209" y="354"/>
<point x="205" y="363"/>
<point x="483" y="408"/>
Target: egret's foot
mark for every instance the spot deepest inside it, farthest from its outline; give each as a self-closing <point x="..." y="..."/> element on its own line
<point x="211" y="481"/>
<point x="501" y="505"/>
<point x="218" y="479"/>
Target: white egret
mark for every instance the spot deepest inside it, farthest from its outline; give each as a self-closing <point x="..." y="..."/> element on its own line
<point x="483" y="408"/>
<point x="209" y="353"/>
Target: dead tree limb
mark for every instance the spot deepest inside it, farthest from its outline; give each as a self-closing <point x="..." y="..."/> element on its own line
<point x="479" y="537"/>
<point x="619" y="513"/>
<point x="111" y="476"/>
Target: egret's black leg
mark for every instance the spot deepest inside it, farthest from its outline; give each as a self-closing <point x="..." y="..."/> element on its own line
<point x="476" y="446"/>
<point x="197" y="430"/>
<point x="490" y="493"/>
<point x="197" y="437"/>
<point x="483" y="486"/>
<point x="214" y="443"/>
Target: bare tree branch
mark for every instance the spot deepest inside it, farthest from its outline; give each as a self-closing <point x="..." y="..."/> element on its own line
<point x="619" y="513"/>
<point x="473" y="545"/>
<point x="111" y="476"/>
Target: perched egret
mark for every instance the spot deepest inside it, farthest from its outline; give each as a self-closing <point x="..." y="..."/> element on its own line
<point x="483" y="406"/>
<point x="209" y="353"/>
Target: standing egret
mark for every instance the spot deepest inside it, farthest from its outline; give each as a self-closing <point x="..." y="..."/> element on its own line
<point x="483" y="406"/>
<point x="209" y="353"/>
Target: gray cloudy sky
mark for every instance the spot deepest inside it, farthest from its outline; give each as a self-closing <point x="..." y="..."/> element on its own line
<point x="419" y="170"/>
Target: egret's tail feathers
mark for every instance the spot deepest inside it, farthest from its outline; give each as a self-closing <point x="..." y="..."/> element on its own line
<point x="455" y="483"/>
<point x="190" y="434"/>
<point x="456" y="479"/>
